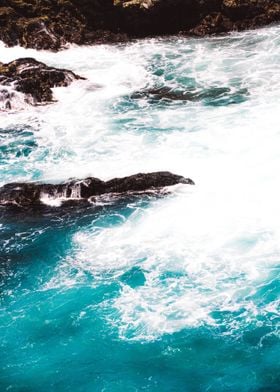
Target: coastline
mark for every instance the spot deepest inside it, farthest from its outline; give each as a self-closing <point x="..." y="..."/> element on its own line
<point x="51" y="25"/>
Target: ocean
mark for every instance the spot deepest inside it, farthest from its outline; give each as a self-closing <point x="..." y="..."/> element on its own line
<point x="173" y="293"/>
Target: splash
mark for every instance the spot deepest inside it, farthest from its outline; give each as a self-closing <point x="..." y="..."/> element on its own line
<point x="208" y="250"/>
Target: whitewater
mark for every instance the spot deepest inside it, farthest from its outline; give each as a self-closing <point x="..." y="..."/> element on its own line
<point x="176" y="293"/>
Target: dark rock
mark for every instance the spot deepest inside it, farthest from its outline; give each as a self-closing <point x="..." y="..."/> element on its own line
<point x="242" y="9"/>
<point x="32" y="78"/>
<point x="30" y="194"/>
<point x="238" y="15"/>
<point x="198" y="17"/>
<point x="209" y="95"/>
<point x="156" y="17"/>
<point x="214" y="23"/>
<point x="171" y="94"/>
<point x="50" y="24"/>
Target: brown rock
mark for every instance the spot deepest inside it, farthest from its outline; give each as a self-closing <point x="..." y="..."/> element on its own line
<point x="50" y="24"/>
<point x="215" y="23"/>
<point x="33" y="78"/>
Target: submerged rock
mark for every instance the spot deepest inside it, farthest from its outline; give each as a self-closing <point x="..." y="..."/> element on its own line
<point x="211" y="96"/>
<point x="31" y="78"/>
<point x="171" y="94"/>
<point x="50" y="24"/>
<point x="32" y="194"/>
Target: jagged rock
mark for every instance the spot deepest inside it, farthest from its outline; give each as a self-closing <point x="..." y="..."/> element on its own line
<point x="214" y="23"/>
<point x="50" y="24"/>
<point x="32" y="78"/>
<point x="31" y="194"/>
<point x="237" y="15"/>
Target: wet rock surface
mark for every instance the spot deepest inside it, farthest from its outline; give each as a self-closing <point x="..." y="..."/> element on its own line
<point x="31" y="78"/>
<point x="210" y="95"/>
<point x="50" y="24"/>
<point x="32" y="194"/>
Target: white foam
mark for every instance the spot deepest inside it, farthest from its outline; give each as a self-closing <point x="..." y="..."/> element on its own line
<point x="12" y="100"/>
<point x="209" y="248"/>
<point x="216" y="255"/>
<point x="51" y="201"/>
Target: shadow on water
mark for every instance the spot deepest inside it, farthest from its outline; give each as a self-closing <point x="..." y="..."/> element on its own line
<point x="42" y="235"/>
<point x="69" y="334"/>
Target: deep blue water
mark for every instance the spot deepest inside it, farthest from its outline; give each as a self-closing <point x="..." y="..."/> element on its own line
<point x="172" y="293"/>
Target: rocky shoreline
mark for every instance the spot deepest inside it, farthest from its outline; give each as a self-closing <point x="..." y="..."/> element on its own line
<point x="51" y="24"/>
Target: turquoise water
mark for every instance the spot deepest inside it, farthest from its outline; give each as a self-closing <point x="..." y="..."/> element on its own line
<point x="173" y="293"/>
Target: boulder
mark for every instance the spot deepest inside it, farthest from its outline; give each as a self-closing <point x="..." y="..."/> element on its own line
<point x="33" y="79"/>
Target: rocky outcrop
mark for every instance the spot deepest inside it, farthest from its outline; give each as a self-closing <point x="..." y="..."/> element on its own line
<point x="31" y="78"/>
<point x="50" y="24"/>
<point x="32" y="194"/>
<point x="195" y="17"/>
